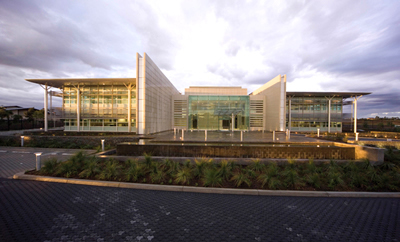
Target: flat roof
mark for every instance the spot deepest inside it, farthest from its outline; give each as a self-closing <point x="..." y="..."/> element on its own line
<point x="327" y="94"/>
<point x="59" y="82"/>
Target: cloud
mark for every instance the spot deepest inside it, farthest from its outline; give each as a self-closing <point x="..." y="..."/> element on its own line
<point x="320" y="45"/>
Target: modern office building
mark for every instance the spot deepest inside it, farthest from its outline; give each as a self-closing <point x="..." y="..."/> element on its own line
<point x="150" y="103"/>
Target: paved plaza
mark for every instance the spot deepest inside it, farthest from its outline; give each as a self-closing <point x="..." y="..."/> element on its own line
<point x="41" y="211"/>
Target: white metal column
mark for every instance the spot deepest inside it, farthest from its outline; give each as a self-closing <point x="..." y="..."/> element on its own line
<point x="290" y="114"/>
<point x="355" y="112"/>
<point x="129" y="108"/>
<point x="329" y="115"/>
<point x="45" y="107"/>
<point x="78" y="108"/>
<point x="233" y="122"/>
<point x="329" y="112"/>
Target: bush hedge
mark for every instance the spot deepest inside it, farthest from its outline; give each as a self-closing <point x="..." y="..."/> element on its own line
<point x="351" y="176"/>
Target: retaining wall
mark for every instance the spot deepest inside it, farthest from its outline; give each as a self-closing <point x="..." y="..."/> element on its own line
<point x="292" y="152"/>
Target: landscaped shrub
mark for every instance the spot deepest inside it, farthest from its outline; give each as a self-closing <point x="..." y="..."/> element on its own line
<point x="361" y="176"/>
<point x="111" y="170"/>
<point x="49" y="166"/>
<point x="212" y="177"/>
<point x="91" y="168"/>
<point x="183" y="176"/>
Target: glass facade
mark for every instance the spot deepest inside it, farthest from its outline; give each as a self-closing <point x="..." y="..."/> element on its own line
<point x="215" y="112"/>
<point x="102" y="108"/>
<point x="311" y="113"/>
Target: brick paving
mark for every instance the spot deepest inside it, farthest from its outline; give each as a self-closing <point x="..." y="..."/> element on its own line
<point x="18" y="159"/>
<point x="40" y="211"/>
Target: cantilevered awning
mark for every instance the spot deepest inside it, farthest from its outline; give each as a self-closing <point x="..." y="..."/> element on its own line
<point x="60" y="82"/>
<point x="327" y="94"/>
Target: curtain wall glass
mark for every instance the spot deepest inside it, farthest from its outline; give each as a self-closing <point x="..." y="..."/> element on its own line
<point x="216" y="112"/>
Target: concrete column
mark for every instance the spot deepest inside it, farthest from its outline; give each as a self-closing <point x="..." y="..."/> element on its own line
<point x="78" y="108"/>
<point x="45" y="107"/>
<point x="329" y="115"/>
<point x="355" y="115"/>
<point x="129" y="108"/>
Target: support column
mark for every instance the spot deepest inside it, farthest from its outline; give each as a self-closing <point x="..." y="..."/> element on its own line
<point x="355" y="114"/>
<point x="329" y="116"/>
<point x="329" y="112"/>
<point x="129" y="108"/>
<point x="78" y="108"/>
<point x="233" y="122"/>
<point x="51" y="105"/>
<point x="46" y="88"/>
<point x="290" y="114"/>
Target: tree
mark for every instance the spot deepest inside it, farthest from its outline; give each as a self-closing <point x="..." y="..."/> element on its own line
<point x="38" y="114"/>
<point x="17" y="118"/>
<point x="29" y="114"/>
<point x="5" y="113"/>
<point x="365" y="125"/>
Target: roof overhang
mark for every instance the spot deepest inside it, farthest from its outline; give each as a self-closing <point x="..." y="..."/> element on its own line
<point x="327" y="94"/>
<point x="60" y="82"/>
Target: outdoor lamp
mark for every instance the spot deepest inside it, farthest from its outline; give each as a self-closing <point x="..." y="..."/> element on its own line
<point x="102" y="144"/>
<point x="38" y="163"/>
<point x="22" y="141"/>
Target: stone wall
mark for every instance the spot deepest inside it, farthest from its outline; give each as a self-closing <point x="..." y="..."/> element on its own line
<point x="293" y="152"/>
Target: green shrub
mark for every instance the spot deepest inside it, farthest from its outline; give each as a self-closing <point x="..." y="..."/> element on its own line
<point x="148" y="160"/>
<point x="91" y="168"/>
<point x="335" y="179"/>
<point x="224" y="171"/>
<point x="134" y="171"/>
<point x="67" y="169"/>
<point x="79" y="158"/>
<point x="212" y="177"/>
<point x="200" y="166"/>
<point x="183" y="176"/>
<point x="241" y="177"/>
<point x="170" y="167"/>
<point x="111" y="170"/>
<point x="49" y="166"/>
<point x="256" y="165"/>
<point x="314" y="180"/>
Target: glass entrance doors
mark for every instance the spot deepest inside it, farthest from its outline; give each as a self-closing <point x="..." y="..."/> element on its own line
<point x="218" y="112"/>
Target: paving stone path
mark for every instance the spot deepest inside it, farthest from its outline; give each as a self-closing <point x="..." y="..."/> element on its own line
<point x="40" y="211"/>
<point x="18" y="159"/>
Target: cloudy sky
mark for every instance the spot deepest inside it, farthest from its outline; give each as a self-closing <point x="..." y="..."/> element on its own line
<point x="320" y="45"/>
